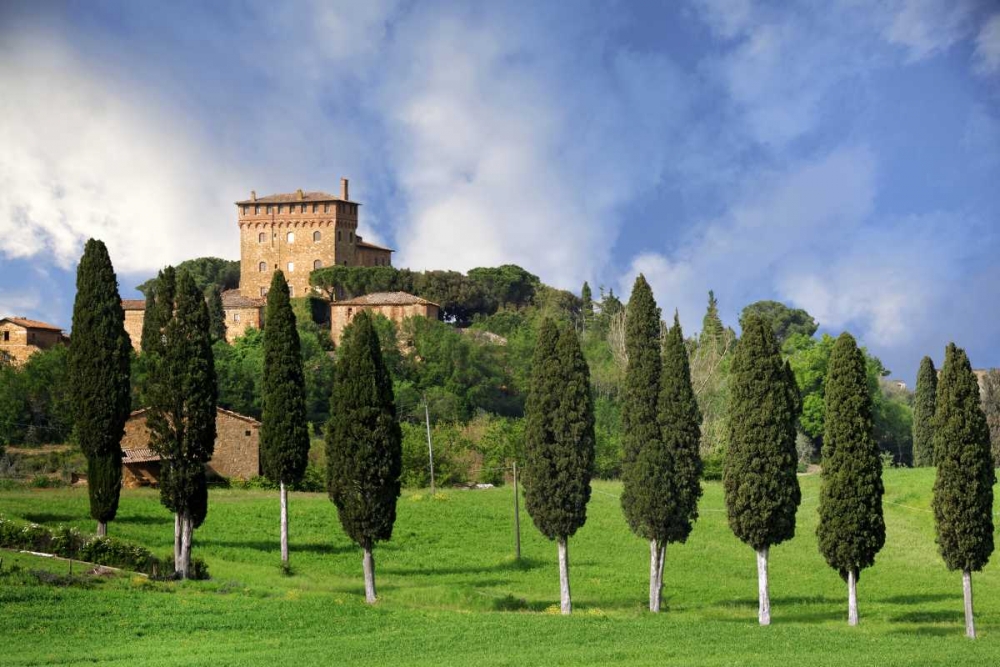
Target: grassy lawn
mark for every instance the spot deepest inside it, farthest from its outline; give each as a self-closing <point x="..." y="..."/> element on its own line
<point x="451" y="593"/>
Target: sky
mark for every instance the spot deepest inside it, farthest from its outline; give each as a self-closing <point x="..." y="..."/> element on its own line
<point x="841" y="156"/>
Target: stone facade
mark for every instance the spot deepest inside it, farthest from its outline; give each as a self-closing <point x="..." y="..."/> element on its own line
<point x="240" y="312"/>
<point x="135" y="312"/>
<point x="20" y="337"/>
<point x="396" y="306"/>
<point x="298" y="233"/>
<point x="237" y="448"/>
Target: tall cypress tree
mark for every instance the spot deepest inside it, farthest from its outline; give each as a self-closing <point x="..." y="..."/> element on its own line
<point x="284" y="434"/>
<point x="963" y="488"/>
<point x="216" y="313"/>
<point x="851" y="528"/>
<point x="924" y="405"/>
<point x="680" y="426"/>
<point x="160" y="301"/>
<point x="181" y="418"/>
<point x="99" y="359"/>
<point x="647" y="497"/>
<point x="364" y="444"/>
<point x="587" y="307"/>
<point x="559" y="442"/>
<point x="759" y="477"/>
<point x="712" y="331"/>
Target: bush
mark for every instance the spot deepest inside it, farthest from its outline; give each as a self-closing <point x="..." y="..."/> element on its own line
<point x="46" y="482"/>
<point x="712" y="465"/>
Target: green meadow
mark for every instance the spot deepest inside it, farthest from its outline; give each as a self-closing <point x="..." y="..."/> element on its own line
<point x="451" y="592"/>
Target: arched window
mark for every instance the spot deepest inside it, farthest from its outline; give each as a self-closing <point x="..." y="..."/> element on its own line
<point x="316" y="237"/>
<point x="291" y="237"/>
<point x="262" y="267"/>
<point x="291" y="266"/>
<point x="318" y="264"/>
<point x="261" y="237"/>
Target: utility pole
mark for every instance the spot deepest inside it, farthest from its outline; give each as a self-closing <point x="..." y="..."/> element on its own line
<point x="430" y="448"/>
<point x="517" y="518"/>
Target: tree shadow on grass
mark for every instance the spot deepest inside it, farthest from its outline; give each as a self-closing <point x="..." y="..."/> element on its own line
<point x="270" y="546"/>
<point x="956" y="616"/>
<point x="918" y="599"/>
<point x="522" y="565"/>
<point x="930" y="631"/>
<point x="145" y="520"/>
<point x="47" y="517"/>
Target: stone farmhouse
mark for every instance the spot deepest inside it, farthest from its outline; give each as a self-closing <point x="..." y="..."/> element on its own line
<point x="237" y="449"/>
<point x="396" y="306"/>
<point x="21" y="337"/>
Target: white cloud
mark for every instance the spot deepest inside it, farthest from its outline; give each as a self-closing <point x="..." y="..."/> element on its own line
<point x="987" y="53"/>
<point x="927" y="27"/>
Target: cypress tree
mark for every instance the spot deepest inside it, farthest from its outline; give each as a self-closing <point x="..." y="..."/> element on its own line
<point x="99" y="360"/>
<point x="712" y="331"/>
<point x="647" y="497"/>
<point x="363" y="444"/>
<point x="216" y="313"/>
<point x="181" y="418"/>
<point x="680" y="426"/>
<point x="963" y="488"/>
<point x="759" y="476"/>
<point x="559" y="442"/>
<point x="924" y="405"/>
<point x="284" y="434"/>
<point x="587" y="307"/>
<point x="160" y="300"/>
<point x="851" y="528"/>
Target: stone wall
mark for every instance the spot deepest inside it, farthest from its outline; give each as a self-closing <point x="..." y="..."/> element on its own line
<point x="133" y="326"/>
<point x="20" y="342"/>
<point x="238" y="320"/>
<point x="341" y="315"/>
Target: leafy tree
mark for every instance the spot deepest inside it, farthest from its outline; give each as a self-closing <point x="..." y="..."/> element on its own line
<point x="284" y="432"/>
<point x="206" y="272"/>
<point x="647" y="497"/>
<point x="963" y="487"/>
<point x="761" y="488"/>
<point x="181" y="417"/>
<point x="923" y="414"/>
<point x="99" y="374"/>
<point x="507" y="285"/>
<point x="216" y="313"/>
<point x="363" y="444"/>
<point x="712" y="331"/>
<point x="785" y="321"/>
<point x="559" y="443"/>
<point x="991" y="408"/>
<point x="851" y="527"/>
<point x="679" y="420"/>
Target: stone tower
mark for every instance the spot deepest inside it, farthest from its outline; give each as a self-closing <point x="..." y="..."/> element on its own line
<point x="298" y="233"/>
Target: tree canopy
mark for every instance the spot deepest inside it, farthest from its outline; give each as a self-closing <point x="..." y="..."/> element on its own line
<point x="784" y="321"/>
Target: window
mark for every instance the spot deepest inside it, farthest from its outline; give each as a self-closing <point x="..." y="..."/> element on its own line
<point x="263" y="291"/>
<point x="291" y="237"/>
<point x="236" y="317"/>
<point x="315" y="208"/>
<point x="244" y="209"/>
<point x="262" y="267"/>
<point x="302" y="208"/>
<point x="6" y="336"/>
<point x="256" y="209"/>
<point x="261" y="237"/>
<point x="352" y="236"/>
<point x="291" y="267"/>
<point x="246" y="433"/>
<point x="269" y="209"/>
<point x="339" y="238"/>
<point x="291" y="290"/>
<point x="350" y="311"/>
<point x="326" y="208"/>
<point x="318" y="264"/>
<point x="316" y="237"/>
<point x="281" y="209"/>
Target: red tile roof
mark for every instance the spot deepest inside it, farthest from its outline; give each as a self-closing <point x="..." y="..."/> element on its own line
<point x="233" y="298"/>
<point x="366" y="244"/>
<point x="134" y="304"/>
<point x="386" y="299"/>
<point x="31" y="324"/>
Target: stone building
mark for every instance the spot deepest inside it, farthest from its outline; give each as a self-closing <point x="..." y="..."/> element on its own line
<point x="298" y="233"/>
<point x="241" y="313"/>
<point x="135" y="311"/>
<point x="20" y="337"/>
<point x="396" y="306"/>
<point x="237" y="449"/>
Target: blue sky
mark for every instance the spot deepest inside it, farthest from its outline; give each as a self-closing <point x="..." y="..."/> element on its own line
<point x="840" y="156"/>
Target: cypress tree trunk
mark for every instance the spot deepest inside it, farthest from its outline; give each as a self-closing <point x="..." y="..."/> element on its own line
<point x="369" y="566"/>
<point x="659" y="575"/>
<point x="177" y="542"/>
<point x="102" y="528"/>
<point x="764" y="609"/>
<point x="970" y="624"/>
<point x="565" y="603"/>
<point x="187" y="532"/>
<point x="852" y="597"/>
<point x="284" y="524"/>
<point x="656" y="553"/>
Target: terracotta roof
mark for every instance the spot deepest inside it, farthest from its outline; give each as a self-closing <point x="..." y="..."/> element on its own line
<point x="134" y="304"/>
<point x="233" y="298"/>
<point x="294" y="198"/>
<point x="251" y="420"/>
<point x="366" y="244"/>
<point x="31" y="324"/>
<point x="139" y="455"/>
<point x="386" y="299"/>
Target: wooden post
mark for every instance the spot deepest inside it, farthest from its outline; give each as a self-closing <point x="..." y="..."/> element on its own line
<point x="517" y="518"/>
<point x="430" y="447"/>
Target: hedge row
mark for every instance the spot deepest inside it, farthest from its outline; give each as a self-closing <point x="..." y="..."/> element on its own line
<point x="109" y="551"/>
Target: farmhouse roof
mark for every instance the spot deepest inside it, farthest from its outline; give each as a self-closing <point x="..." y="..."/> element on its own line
<point x="139" y="455"/>
<point x="31" y="324"/>
<point x="233" y="298"/>
<point x="249" y="420"/>
<point x="386" y="299"/>
<point x="373" y="246"/>
<point x="133" y="304"/>
<point x="294" y="197"/>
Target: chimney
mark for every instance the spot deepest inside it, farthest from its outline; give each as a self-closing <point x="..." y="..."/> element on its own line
<point x="301" y="194"/>
<point x="253" y="195"/>
<point x="343" y="190"/>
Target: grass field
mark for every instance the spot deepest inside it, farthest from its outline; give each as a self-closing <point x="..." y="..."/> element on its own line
<point x="451" y="593"/>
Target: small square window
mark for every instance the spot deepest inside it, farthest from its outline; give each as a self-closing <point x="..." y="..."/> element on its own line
<point x="291" y="267"/>
<point x="246" y="433"/>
